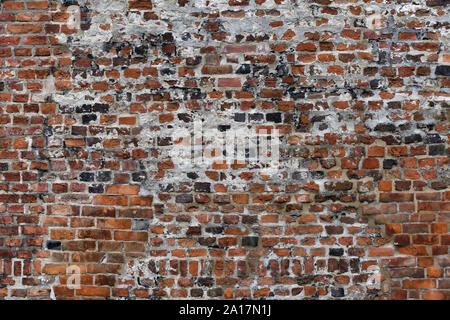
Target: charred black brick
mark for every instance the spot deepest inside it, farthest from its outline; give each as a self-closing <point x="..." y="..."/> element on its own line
<point x="256" y="117"/>
<point x="87" y="118"/>
<point x="216" y="292"/>
<point x="96" y="188"/>
<point x="214" y="229"/>
<point x="389" y="163"/>
<point x="205" y="282"/>
<point x="101" y="107"/>
<point x="67" y="3"/>
<point x="141" y="50"/>
<point x="192" y="175"/>
<point x="85" y="108"/>
<point x="443" y="71"/>
<point x="337" y="292"/>
<point x="413" y="138"/>
<point x="224" y="127"/>
<point x="274" y="117"/>
<point x="167" y="72"/>
<point x="197" y="95"/>
<point x="394" y="105"/>
<point x="250" y="241"/>
<point x="243" y="69"/>
<point x="53" y="245"/>
<point x="139" y="176"/>
<point x="437" y="149"/>
<point x="433" y="138"/>
<point x="104" y="176"/>
<point x="87" y="176"/>
<point x="337" y="252"/>
<point x="196" y="293"/>
<point x="202" y="187"/>
<point x="385" y="127"/>
<point x="239" y="117"/>
<point x="184" y="198"/>
<point x="375" y="84"/>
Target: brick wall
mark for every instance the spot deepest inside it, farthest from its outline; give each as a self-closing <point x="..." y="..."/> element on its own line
<point x="92" y="92"/>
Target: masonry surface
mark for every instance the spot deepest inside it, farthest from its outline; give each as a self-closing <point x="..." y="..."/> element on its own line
<point x="92" y="92"/>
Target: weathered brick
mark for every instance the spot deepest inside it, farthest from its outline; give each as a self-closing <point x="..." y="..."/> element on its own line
<point x="92" y="131"/>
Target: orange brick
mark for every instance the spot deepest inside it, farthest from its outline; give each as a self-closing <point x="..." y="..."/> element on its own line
<point x="122" y="189"/>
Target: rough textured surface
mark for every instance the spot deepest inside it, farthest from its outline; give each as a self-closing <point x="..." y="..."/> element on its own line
<point x="358" y="90"/>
